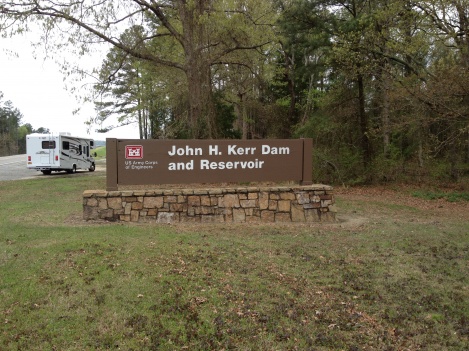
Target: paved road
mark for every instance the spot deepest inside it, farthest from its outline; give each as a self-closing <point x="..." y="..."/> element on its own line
<point x="14" y="167"/>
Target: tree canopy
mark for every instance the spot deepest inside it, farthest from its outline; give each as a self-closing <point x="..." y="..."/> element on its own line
<point x="12" y="131"/>
<point x="189" y="36"/>
<point x="381" y="86"/>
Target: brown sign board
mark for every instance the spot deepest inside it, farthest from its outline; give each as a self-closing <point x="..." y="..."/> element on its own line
<point x="140" y="162"/>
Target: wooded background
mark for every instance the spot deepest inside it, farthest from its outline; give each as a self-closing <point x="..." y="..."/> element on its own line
<point x="382" y="86"/>
<point x="12" y="131"/>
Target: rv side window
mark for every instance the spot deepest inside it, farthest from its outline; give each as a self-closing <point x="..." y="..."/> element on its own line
<point x="48" y="144"/>
<point x="66" y="145"/>
<point x="91" y="144"/>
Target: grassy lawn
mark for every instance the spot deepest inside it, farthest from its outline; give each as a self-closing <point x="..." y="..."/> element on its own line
<point x="100" y="152"/>
<point x="390" y="276"/>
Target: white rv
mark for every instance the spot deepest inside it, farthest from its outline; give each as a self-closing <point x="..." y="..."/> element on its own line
<point x="63" y="152"/>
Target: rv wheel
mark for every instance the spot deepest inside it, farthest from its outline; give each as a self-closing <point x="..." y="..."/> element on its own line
<point x="47" y="172"/>
<point x="92" y="168"/>
<point x="73" y="170"/>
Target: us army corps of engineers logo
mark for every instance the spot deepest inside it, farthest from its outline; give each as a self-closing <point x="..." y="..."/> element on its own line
<point x="133" y="152"/>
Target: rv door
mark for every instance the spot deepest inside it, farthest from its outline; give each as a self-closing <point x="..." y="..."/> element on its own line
<point x="49" y="156"/>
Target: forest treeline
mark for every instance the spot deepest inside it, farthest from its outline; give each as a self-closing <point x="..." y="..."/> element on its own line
<point x="12" y="131"/>
<point x="382" y="86"/>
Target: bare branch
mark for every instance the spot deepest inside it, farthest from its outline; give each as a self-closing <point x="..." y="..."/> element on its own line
<point x="156" y="9"/>
<point x="58" y="13"/>
<point x="238" y="48"/>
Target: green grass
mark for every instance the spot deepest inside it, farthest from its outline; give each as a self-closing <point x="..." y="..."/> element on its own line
<point x="394" y="282"/>
<point x="100" y="152"/>
<point x="434" y="195"/>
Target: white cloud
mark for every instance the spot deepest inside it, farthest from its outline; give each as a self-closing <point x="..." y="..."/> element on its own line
<point x="37" y="89"/>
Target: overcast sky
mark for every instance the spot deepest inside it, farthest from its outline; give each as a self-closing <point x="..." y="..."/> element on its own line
<point x="37" y="89"/>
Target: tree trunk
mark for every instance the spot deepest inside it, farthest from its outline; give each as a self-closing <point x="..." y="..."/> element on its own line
<point x="385" y="115"/>
<point x="420" y="149"/>
<point x="245" y="120"/>
<point x="467" y="145"/>
<point x="201" y="106"/>
<point x="363" y="121"/>
<point x="309" y="101"/>
<point x="289" y="77"/>
<point x="463" y="41"/>
<point x="140" y="122"/>
<point x="201" y="110"/>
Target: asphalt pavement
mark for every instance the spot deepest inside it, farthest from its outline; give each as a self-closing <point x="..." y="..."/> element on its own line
<point x="14" y="167"/>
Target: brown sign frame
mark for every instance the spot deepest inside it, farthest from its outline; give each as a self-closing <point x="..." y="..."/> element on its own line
<point x="145" y="162"/>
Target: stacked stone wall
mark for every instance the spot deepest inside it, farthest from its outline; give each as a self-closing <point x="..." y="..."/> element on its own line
<point x="239" y="205"/>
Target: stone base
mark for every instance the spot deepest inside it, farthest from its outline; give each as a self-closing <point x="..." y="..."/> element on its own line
<point x="235" y="205"/>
